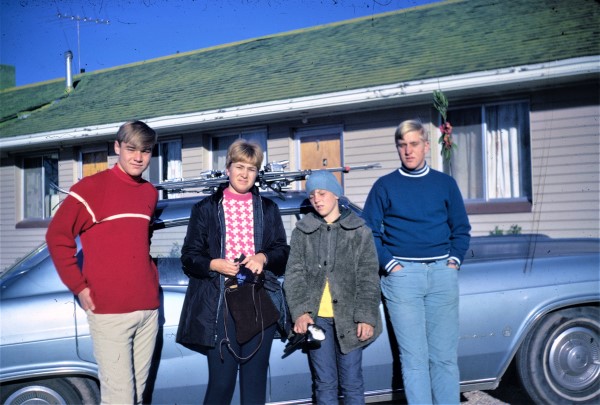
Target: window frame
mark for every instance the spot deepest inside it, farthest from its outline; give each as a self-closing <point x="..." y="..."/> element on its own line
<point x="486" y="205"/>
<point x="262" y="131"/>
<point x="154" y="173"/>
<point x="46" y="216"/>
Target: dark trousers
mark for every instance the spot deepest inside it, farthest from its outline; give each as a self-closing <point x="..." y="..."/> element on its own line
<point x="222" y="372"/>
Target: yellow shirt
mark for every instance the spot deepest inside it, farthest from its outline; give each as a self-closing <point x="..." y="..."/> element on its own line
<point x="326" y="308"/>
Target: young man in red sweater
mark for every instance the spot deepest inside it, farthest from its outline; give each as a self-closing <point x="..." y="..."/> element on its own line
<point x="117" y="286"/>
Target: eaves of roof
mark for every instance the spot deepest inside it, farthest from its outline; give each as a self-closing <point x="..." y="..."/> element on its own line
<point x="416" y="92"/>
<point x="423" y="43"/>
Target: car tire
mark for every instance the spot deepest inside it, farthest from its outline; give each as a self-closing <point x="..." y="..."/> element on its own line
<point x="559" y="360"/>
<point x="67" y="391"/>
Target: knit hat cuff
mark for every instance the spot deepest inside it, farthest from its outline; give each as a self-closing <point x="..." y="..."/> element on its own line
<point x="323" y="180"/>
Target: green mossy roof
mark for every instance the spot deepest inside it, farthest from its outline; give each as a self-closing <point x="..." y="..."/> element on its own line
<point x="441" y="39"/>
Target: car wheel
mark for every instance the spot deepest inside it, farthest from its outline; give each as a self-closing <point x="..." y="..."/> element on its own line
<point x="65" y="391"/>
<point x="559" y="360"/>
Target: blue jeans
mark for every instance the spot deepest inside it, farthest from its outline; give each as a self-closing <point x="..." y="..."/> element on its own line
<point x="223" y="366"/>
<point x="332" y="368"/>
<point x="422" y="301"/>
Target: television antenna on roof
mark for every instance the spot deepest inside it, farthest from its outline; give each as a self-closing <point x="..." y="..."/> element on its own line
<point x="79" y="19"/>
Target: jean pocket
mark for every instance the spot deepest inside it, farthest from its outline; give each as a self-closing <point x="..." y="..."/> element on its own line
<point x="398" y="273"/>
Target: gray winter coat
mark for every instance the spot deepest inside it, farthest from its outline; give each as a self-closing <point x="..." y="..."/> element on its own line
<point x="344" y="252"/>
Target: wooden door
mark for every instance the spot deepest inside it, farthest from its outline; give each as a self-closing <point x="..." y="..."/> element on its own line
<point x="321" y="152"/>
<point x="93" y="162"/>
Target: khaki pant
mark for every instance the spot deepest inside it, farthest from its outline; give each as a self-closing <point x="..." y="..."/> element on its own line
<point x="123" y="347"/>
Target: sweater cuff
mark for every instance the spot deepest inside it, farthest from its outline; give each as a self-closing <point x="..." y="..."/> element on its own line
<point x="455" y="259"/>
<point x="391" y="264"/>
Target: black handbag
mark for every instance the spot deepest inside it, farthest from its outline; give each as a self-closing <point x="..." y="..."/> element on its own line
<point x="251" y="308"/>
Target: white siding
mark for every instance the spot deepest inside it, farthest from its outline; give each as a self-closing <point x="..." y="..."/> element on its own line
<point x="8" y="214"/>
<point x="369" y="138"/>
<point x="565" y="142"/>
<point x="279" y="145"/>
<point x="192" y="155"/>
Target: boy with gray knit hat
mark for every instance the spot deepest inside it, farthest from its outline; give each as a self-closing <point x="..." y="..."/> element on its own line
<point x="323" y="180"/>
<point x="333" y="252"/>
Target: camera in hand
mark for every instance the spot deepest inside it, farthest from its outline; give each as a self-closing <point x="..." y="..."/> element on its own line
<point x="311" y="340"/>
<point x="246" y="275"/>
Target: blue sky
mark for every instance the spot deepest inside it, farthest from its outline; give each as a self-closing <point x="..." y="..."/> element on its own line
<point x="35" y="34"/>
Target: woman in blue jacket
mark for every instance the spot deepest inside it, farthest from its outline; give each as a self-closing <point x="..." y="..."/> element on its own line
<point x="234" y="222"/>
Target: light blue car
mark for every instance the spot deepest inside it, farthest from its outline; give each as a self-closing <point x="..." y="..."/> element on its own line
<point x="527" y="299"/>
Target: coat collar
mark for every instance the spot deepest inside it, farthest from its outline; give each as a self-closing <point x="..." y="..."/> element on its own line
<point x="348" y="221"/>
<point x="218" y="194"/>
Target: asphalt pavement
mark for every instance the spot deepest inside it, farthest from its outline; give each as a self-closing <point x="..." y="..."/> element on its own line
<point x="509" y="392"/>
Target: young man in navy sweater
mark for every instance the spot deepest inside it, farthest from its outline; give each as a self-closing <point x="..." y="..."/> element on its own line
<point x="421" y="232"/>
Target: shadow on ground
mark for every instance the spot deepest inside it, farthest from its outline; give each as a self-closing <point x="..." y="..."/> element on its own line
<point x="510" y="392"/>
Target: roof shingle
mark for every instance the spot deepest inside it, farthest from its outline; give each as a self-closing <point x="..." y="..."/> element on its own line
<point x="440" y="39"/>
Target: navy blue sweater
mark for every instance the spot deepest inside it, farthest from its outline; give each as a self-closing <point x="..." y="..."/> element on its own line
<point x="417" y="216"/>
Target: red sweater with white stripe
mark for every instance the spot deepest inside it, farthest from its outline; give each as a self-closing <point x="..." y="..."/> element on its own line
<point x="111" y="212"/>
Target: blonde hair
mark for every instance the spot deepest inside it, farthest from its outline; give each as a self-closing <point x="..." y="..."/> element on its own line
<point x="409" y="126"/>
<point x="137" y="133"/>
<point x="244" y="151"/>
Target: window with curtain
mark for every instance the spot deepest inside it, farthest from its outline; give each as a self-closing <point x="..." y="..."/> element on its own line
<point x="220" y="144"/>
<point x="40" y="182"/>
<point x="165" y="164"/>
<point x="492" y="162"/>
